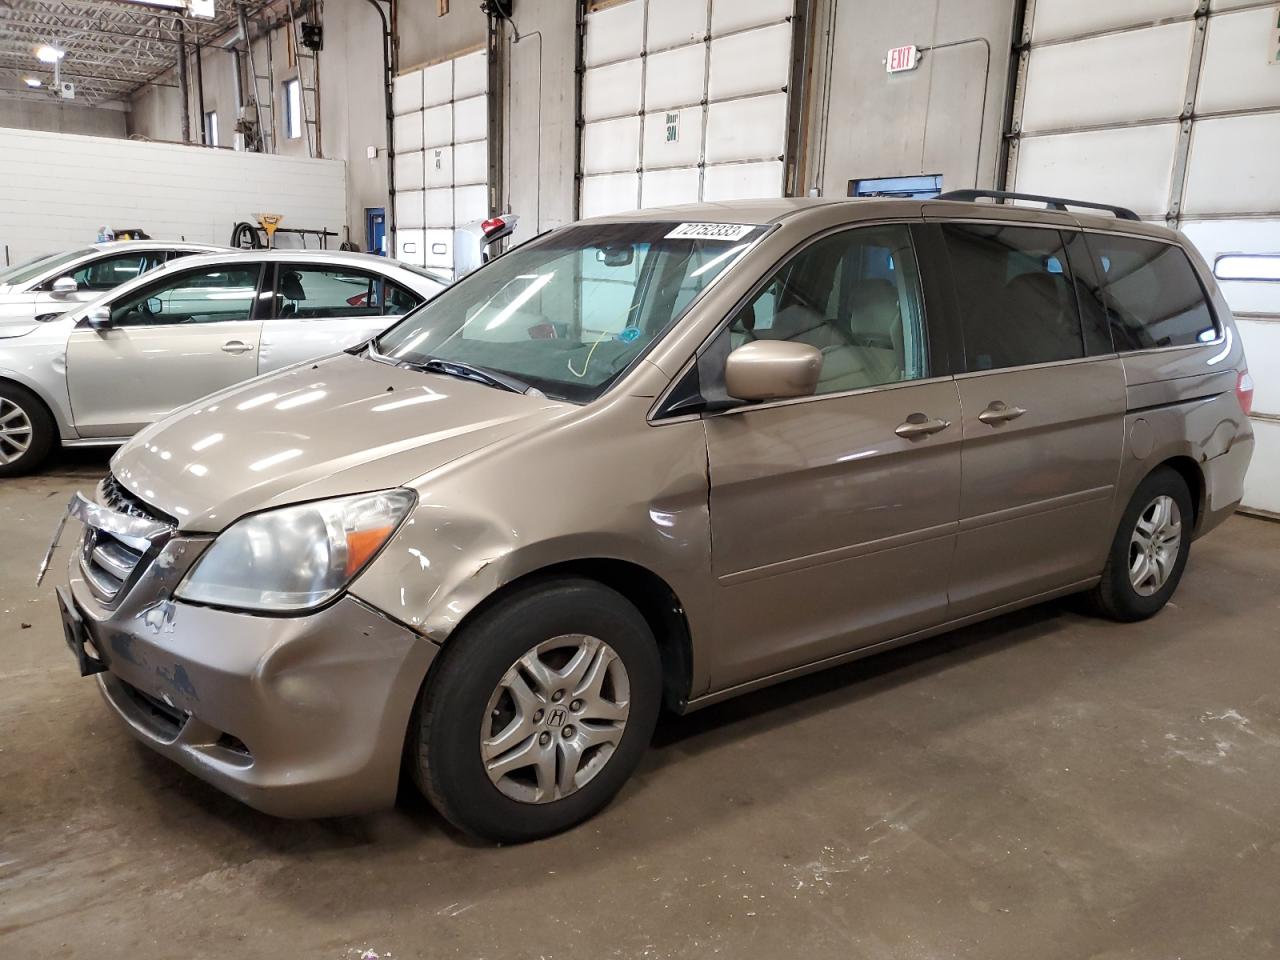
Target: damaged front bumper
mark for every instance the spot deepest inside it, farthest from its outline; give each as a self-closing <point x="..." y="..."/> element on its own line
<point x="298" y="716"/>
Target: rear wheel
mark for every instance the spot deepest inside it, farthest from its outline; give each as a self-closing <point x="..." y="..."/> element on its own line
<point x="1150" y="549"/>
<point x="538" y="713"/>
<point x="27" y="431"/>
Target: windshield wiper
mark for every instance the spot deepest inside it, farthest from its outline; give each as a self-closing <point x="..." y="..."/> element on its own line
<point x="468" y="371"/>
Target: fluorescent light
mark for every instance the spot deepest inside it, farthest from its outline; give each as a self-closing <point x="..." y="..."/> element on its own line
<point x="48" y="54"/>
<point x="32" y="82"/>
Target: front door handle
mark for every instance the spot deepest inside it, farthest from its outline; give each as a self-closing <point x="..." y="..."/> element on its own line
<point x="999" y="412"/>
<point x="918" y="425"/>
<point x="236" y="346"/>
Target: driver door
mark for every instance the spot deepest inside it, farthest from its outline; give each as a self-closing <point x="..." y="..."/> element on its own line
<point x="170" y="342"/>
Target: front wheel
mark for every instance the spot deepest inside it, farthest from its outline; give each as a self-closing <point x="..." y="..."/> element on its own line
<point x="538" y="711"/>
<point x="27" y="431"/>
<point x="1150" y="549"/>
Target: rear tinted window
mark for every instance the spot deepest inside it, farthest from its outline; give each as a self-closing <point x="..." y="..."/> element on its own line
<point x="1015" y="295"/>
<point x="1152" y="295"/>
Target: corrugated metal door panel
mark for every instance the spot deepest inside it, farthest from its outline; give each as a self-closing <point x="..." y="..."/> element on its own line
<point x="406" y="93"/>
<point x="611" y="193"/>
<point x="1262" y="482"/>
<point x="734" y="55"/>
<point x="1130" y="166"/>
<point x="1236" y="73"/>
<point x="1216" y="237"/>
<point x="1139" y="75"/>
<point x="1057" y="19"/>
<point x="1233" y="166"/>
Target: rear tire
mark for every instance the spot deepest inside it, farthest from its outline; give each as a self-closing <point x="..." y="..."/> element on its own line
<point x="27" y="430"/>
<point x="1150" y="549"/>
<point x="538" y="712"/>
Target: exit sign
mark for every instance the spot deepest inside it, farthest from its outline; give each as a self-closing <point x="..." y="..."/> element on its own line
<point x="901" y="59"/>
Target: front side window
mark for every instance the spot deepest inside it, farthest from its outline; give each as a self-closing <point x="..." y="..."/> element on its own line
<point x="1152" y="295"/>
<point x="568" y="313"/>
<point x="323" y="293"/>
<point x="1015" y="295"/>
<point x="855" y="296"/>
<point x="109" y="272"/>
<point x="210" y="295"/>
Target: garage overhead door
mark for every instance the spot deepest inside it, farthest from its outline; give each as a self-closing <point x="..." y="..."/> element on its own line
<point x="442" y="156"/>
<point x="684" y="100"/>
<point x="1171" y="107"/>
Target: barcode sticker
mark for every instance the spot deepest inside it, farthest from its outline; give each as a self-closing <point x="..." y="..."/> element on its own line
<point x="710" y="231"/>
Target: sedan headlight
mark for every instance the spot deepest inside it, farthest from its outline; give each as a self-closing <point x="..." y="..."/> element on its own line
<point x="298" y="557"/>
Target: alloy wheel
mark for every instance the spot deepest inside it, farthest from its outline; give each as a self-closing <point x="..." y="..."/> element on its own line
<point x="555" y="718"/>
<point x="15" y="431"/>
<point x="1154" y="545"/>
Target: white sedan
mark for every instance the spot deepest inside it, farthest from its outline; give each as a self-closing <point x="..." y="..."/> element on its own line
<point x="101" y="372"/>
<point x="46" y="286"/>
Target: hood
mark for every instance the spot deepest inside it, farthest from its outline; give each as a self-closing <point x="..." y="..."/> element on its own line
<point x="327" y="428"/>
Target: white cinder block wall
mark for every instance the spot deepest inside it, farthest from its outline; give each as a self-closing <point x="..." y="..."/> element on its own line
<point x="57" y="189"/>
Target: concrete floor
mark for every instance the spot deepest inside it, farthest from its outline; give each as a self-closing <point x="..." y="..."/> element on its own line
<point x="1045" y="785"/>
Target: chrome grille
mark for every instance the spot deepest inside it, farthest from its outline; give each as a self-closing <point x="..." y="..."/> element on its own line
<point x="110" y="560"/>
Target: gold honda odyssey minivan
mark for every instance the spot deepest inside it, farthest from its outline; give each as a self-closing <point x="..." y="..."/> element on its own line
<point x="653" y="460"/>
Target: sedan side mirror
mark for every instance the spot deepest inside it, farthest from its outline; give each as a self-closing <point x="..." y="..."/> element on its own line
<point x="772" y="370"/>
<point x="99" y="318"/>
<point x="64" y="287"/>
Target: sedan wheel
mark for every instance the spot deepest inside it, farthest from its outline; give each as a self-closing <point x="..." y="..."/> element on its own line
<point x="15" y="432"/>
<point x="27" y="430"/>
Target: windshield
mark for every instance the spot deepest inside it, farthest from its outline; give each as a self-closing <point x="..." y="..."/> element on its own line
<point x="30" y="269"/>
<point x="570" y="312"/>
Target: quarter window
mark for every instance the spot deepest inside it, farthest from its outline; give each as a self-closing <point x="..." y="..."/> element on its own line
<point x="1015" y="295"/>
<point x="1152" y="295"/>
<point x="211" y="295"/>
<point x="855" y="296"/>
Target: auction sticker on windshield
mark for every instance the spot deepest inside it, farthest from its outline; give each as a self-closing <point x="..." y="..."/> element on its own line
<point x="710" y="231"/>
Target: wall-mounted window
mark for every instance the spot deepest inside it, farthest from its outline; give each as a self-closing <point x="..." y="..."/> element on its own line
<point x="211" y="128"/>
<point x="1248" y="266"/>
<point x="293" y="108"/>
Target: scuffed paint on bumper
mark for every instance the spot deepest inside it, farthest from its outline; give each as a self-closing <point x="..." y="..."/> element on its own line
<point x="296" y="716"/>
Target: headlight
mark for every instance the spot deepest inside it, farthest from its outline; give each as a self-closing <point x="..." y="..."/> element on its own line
<point x="298" y="557"/>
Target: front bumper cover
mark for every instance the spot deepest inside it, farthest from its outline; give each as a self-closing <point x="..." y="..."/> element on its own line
<point x="297" y="716"/>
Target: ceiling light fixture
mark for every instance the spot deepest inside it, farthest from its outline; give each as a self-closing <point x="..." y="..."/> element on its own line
<point x="32" y="82"/>
<point x="48" y="54"/>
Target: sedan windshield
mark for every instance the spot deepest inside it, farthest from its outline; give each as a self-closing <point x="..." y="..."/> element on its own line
<point x="30" y="269"/>
<point x="568" y="313"/>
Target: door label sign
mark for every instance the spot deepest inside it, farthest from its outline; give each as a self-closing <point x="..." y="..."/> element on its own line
<point x="710" y="231"/>
<point x="901" y="59"/>
<point x="673" y="127"/>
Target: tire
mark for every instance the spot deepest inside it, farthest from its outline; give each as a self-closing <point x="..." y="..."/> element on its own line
<point x="1130" y="590"/>
<point x="27" y="430"/>
<point x="470" y="732"/>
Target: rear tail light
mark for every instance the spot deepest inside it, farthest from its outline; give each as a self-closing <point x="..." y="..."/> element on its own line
<point x="1244" y="391"/>
<point x="492" y="226"/>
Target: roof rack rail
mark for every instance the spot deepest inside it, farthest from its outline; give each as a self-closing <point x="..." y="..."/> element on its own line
<point x="1053" y="203"/>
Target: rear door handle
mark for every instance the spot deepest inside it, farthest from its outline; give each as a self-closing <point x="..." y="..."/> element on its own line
<point x="918" y="425"/>
<point x="236" y="346"/>
<point x="999" y="412"/>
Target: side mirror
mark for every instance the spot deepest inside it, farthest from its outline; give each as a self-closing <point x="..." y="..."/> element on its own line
<point x="772" y="370"/>
<point x="99" y="318"/>
<point x="64" y="287"/>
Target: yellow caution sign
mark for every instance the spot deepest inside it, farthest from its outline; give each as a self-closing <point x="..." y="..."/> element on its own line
<point x="269" y="222"/>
